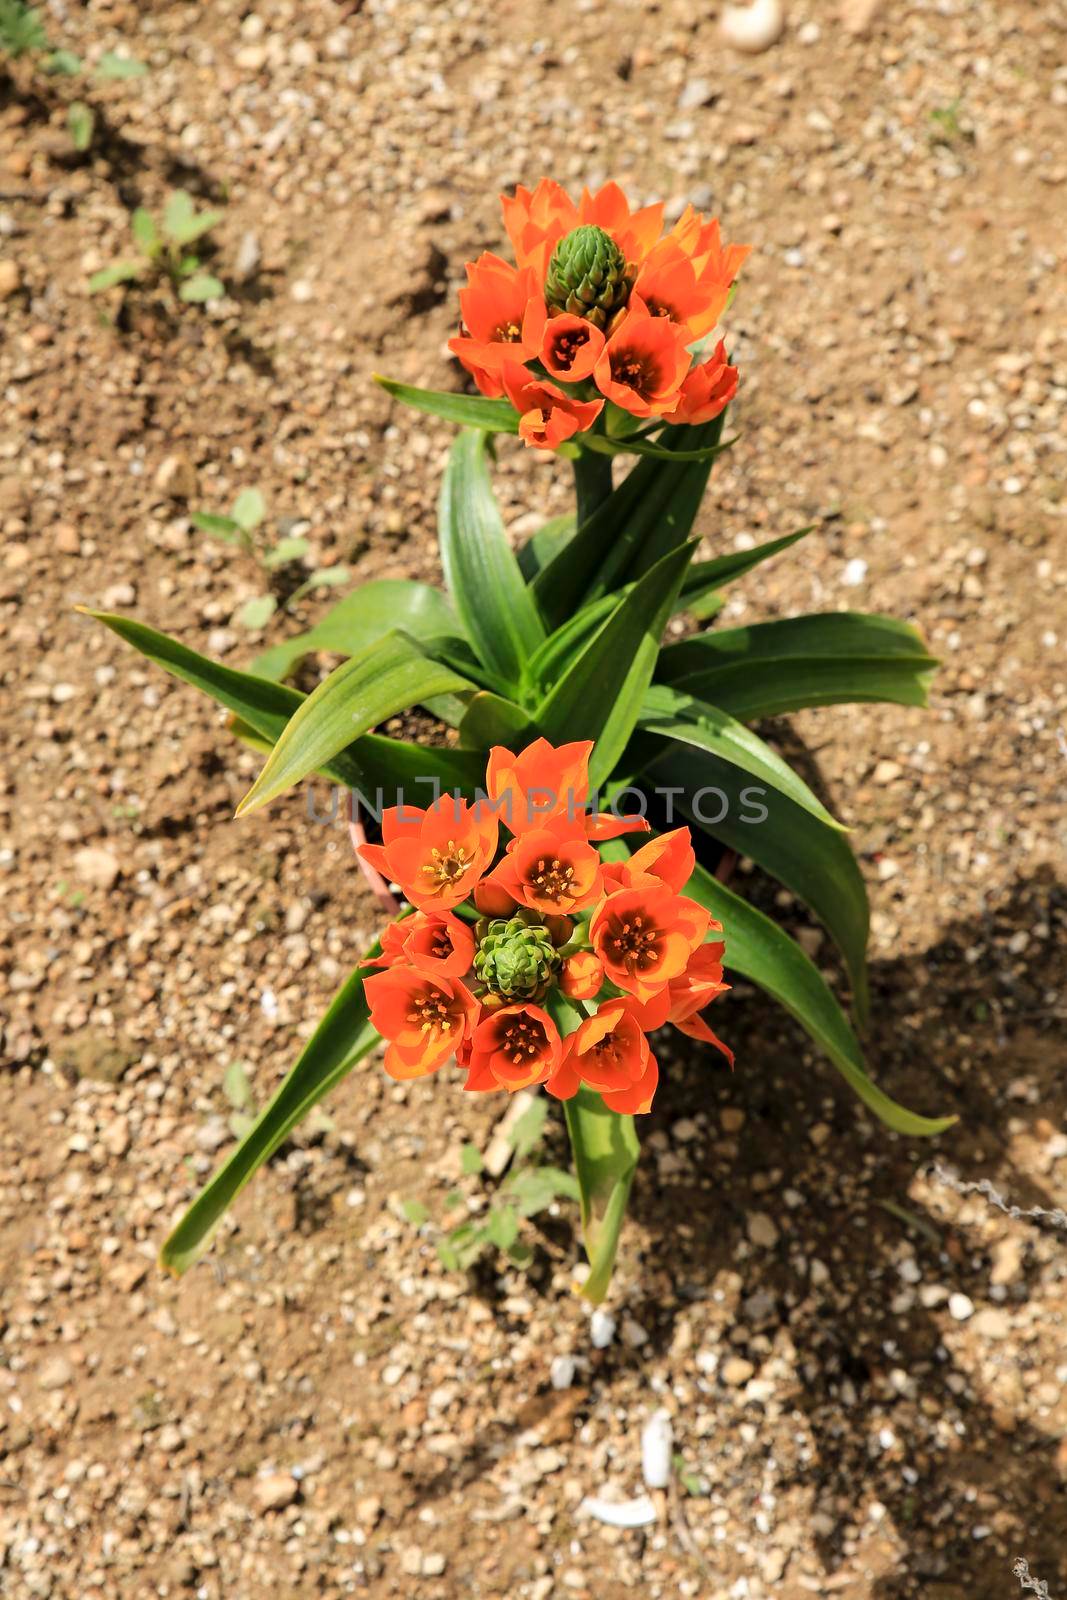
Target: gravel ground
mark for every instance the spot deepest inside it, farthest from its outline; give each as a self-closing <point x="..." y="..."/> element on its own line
<point x="863" y="1362"/>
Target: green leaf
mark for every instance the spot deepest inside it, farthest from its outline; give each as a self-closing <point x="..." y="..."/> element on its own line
<point x="248" y="510"/>
<point x="471" y="411"/>
<point x="534" y="1189"/>
<point x="368" y="764"/>
<point x="414" y="1212"/>
<point x="551" y="659"/>
<point x="809" y="856"/>
<point x="145" y="233"/>
<point x="342" y="1038"/>
<point x="502" y="1226"/>
<point x="181" y="221"/>
<point x="219" y="527"/>
<point x="118" y="272"/>
<point x="61" y="63"/>
<point x="606" y="1152"/>
<point x="80" y="124"/>
<point x="236" y="1087"/>
<point x="705" y="578"/>
<point x="118" y="67"/>
<point x="526" y="1133"/>
<point x="195" y="291"/>
<point x="21" y="28"/>
<point x="490" y="719"/>
<point x="376" y="683"/>
<point x="369" y="613"/>
<point x="599" y="696"/>
<point x="284" y="551"/>
<point x="494" y="605"/>
<point x="759" y="950"/>
<point x="677" y="715"/>
<point x="601" y="546"/>
<point x="542" y="546"/>
<point x="257" y="612"/>
<point x="328" y="578"/>
<point x="602" y="445"/>
<point x="471" y="1160"/>
<point x="829" y="658"/>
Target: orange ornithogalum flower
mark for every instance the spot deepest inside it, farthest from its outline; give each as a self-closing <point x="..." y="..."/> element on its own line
<point x="635" y="232"/>
<point x="551" y="869"/>
<point x="686" y="996"/>
<point x="513" y="1048"/>
<point x="706" y="390"/>
<point x="425" y="1016"/>
<point x="439" y="943"/>
<point x="714" y="262"/>
<point x="547" y="416"/>
<point x="570" y="347"/>
<point x="536" y="220"/>
<point x="436" y="855"/>
<point x="541" y="782"/>
<point x="504" y="318"/>
<point x="582" y="975"/>
<point x="645" y="935"/>
<point x="668" y="285"/>
<point x="669" y="857"/>
<point x="609" y="1053"/>
<point x="643" y="364"/>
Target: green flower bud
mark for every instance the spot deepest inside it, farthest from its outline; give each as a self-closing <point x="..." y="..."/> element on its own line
<point x="516" y="960"/>
<point x="588" y="276"/>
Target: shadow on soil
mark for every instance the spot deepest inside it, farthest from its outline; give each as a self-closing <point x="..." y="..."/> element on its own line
<point x="968" y="1027"/>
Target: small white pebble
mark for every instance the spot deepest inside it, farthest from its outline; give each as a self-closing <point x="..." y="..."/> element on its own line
<point x="561" y="1372"/>
<point x="601" y="1329"/>
<point x="855" y="572"/>
<point x="960" y="1306"/>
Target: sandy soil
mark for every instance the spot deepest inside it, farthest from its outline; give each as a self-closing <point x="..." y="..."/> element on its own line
<point x="865" y="1367"/>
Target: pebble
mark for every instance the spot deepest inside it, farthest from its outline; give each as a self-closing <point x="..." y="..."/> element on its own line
<point x="96" y="866"/>
<point x="561" y="1373"/>
<point x="855" y="572"/>
<point x="176" y="477"/>
<point x="960" y="1306"/>
<point x="736" y="1371"/>
<point x="10" y="278"/>
<point x="275" y="1490"/>
<point x="752" y="28"/>
<point x="602" y="1327"/>
<point x="762" y="1231"/>
<point x="55" y="1373"/>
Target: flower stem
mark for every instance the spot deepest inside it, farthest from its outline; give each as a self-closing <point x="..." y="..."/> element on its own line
<point x="592" y="482"/>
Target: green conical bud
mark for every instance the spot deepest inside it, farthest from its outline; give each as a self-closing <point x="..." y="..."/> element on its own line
<point x="516" y="960"/>
<point x="588" y="276"/>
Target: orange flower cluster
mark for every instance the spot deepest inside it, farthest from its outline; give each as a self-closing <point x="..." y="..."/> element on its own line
<point x="616" y="948"/>
<point x="601" y="306"/>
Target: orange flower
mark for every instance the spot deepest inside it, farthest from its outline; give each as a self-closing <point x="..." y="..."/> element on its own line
<point x="547" y="416"/>
<point x="424" y="1015"/>
<point x="685" y="996"/>
<point x="714" y="262"/>
<point x="513" y="1048"/>
<point x="436" y="855"/>
<point x="667" y="283"/>
<point x="504" y="316"/>
<point x="707" y="390"/>
<point x="635" y="232"/>
<point x="551" y="870"/>
<point x="644" y="362"/>
<point x="582" y="976"/>
<point x="645" y="935"/>
<point x="540" y="783"/>
<point x="610" y="1053"/>
<point x="536" y="221"/>
<point x="570" y="347"/>
<point x="436" y="944"/>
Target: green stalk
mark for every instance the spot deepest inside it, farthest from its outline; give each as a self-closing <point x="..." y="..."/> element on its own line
<point x="592" y="482"/>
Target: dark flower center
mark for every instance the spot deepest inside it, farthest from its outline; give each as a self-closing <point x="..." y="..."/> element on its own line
<point x="633" y="943"/>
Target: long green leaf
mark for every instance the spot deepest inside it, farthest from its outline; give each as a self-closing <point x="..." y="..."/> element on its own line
<point x="705" y="578"/>
<point x="363" y="616"/>
<point x="343" y="1037"/>
<point x="602" y="445"/>
<point x="483" y="577"/>
<point x="810" y="857"/>
<point x="472" y="411"/>
<point x="544" y="545"/>
<point x="598" y="551"/>
<point x="490" y="719"/>
<point x="386" y="677"/>
<point x="759" y="950"/>
<point x="677" y="715"/>
<point x="599" y="696"/>
<point x="829" y="658"/>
